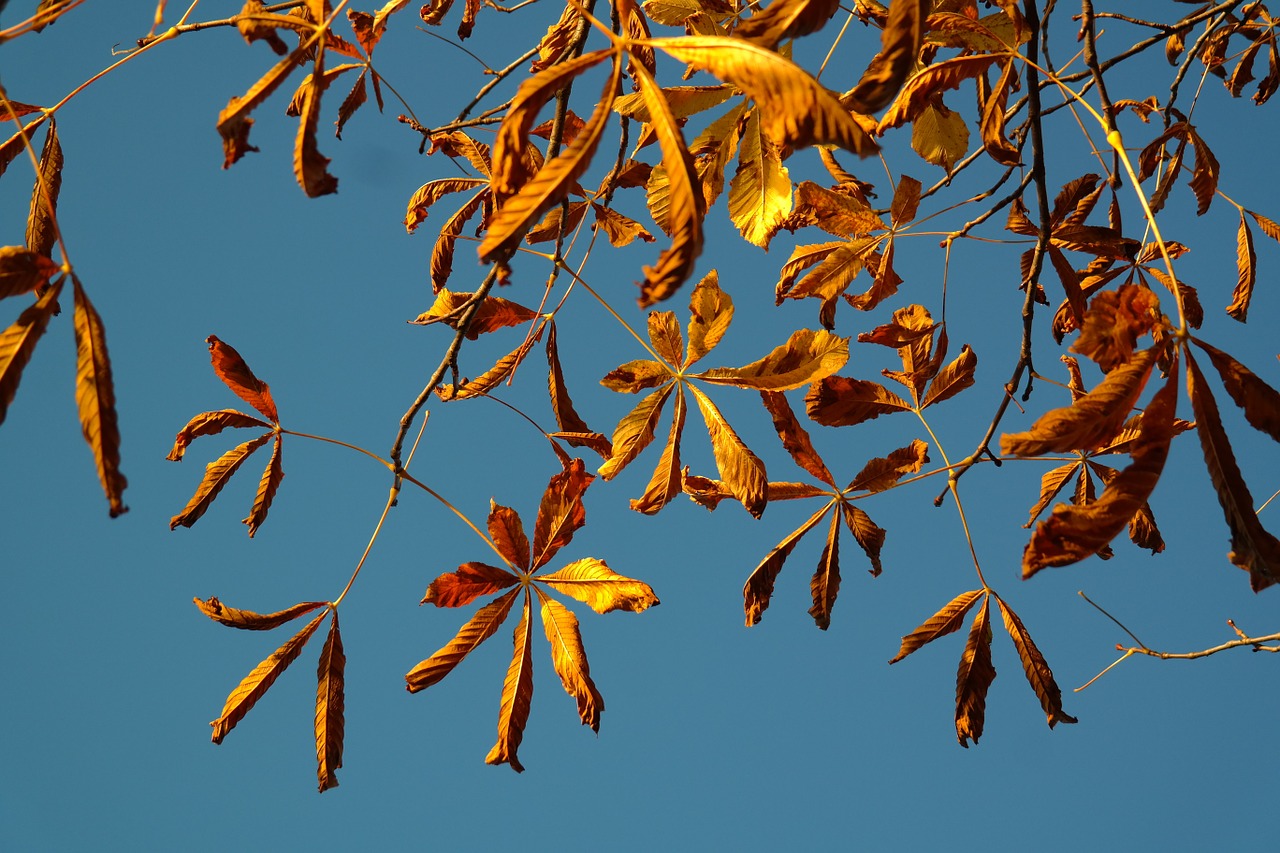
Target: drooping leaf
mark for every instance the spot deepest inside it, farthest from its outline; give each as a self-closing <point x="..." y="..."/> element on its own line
<point x="944" y="622"/>
<point x="1253" y="547"/>
<point x="330" y="703"/>
<point x="636" y="376"/>
<point x="210" y="423"/>
<point x="758" y="589"/>
<point x="794" y="438"/>
<point x="740" y="469"/>
<point x="1260" y="402"/>
<point x="234" y="122"/>
<point x="1116" y="319"/>
<point x="621" y="230"/>
<point x="216" y="475"/>
<point x="560" y="514"/>
<point x="1050" y="484"/>
<point x="517" y="694"/>
<point x="1039" y="676"/>
<point x="567" y="417"/>
<point x="491" y="378"/>
<point x="18" y="342"/>
<point x="570" y="660"/>
<point x="974" y="677"/>
<point x="883" y="473"/>
<point x="255" y="685"/>
<point x="786" y="19"/>
<point x="446" y="241"/>
<point x="237" y="376"/>
<point x="247" y="620"/>
<point x="869" y="535"/>
<point x="760" y="192"/>
<point x="710" y="313"/>
<point x="430" y="193"/>
<point x="825" y="584"/>
<point x="952" y="379"/>
<point x="42" y="232"/>
<point x="96" y="399"/>
<point x="507" y="532"/>
<point x="479" y="628"/>
<point x="899" y="46"/>
<point x="599" y="587"/>
<point x="1247" y="264"/>
<point x="492" y="314"/>
<point x="841" y="401"/>
<point x="267" y="487"/>
<point x="666" y="481"/>
<point x="634" y="432"/>
<point x="923" y="89"/>
<point x="808" y="356"/>
<point x="466" y="584"/>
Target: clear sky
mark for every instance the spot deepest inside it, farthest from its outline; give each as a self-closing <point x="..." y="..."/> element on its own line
<point x="714" y="735"/>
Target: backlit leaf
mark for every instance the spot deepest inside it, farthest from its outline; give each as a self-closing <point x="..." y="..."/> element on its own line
<point x="493" y="313"/>
<point x="868" y="534"/>
<point x="237" y="376"/>
<point x="1260" y="402"/>
<point x="1050" y="484"/>
<point x="787" y="19"/>
<point x="940" y="135"/>
<point x="599" y="587"/>
<point x="740" y="469"/>
<point x="635" y="376"/>
<point x="96" y="399"/>
<point x="430" y="193"/>
<point x="442" y="251"/>
<point x="806" y="357"/>
<point x="794" y="438"/>
<point x="210" y="423"/>
<point x="1039" y="676"/>
<point x="899" y="46"/>
<point x="248" y="620"/>
<point x="760" y="192"/>
<point x="560" y="514"/>
<point x="1116" y="319"/>
<point x="466" y="584"/>
<point x="825" y="584"/>
<point x="883" y="473"/>
<point x="507" y="532"/>
<point x="517" y="694"/>
<point x="974" y="677"/>
<point x="329" y="707"/>
<point x="22" y="270"/>
<point x="758" y="589"/>
<point x="267" y="486"/>
<point x="18" y="342"/>
<point x="567" y="417"/>
<point x="41" y="230"/>
<point x="945" y="621"/>
<point x="916" y="96"/>
<point x="841" y="401"/>
<point x="1246" y="263"/>
<point x="666" y="481"/>
<point x="634" y="432"/>
<point x="216" y="475"/>
<point x="570" y="660"/>
<point x="664" y="334"/>
<point x="710" y="313"/>
<point x="491" y="378"/>
<point x="255" y="685"/>
<point x="234" y="122"/>
<point x="952" y="379"/>
<point x="479" y="628"/>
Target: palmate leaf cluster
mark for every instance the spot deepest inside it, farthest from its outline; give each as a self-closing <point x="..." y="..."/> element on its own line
<point x="639" y="126"/>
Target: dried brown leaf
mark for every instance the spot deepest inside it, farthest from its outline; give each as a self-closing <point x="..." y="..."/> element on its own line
<point x="740" y="469"/>
<point x="22" y="270"/>
<point x="952" y="379"/>
<point x="96" y="399"/>
<point x="1039" y="676"/>
<point x="666" y="481"/>
<point x="634" y="432"/>
<point x="570" y="660"/>
<point x="248" y="620"/>
<point x="237" y="376"/>
<point x="841" y="401"/>
<point x="480" y="627"/>
<point x="329" y="707"/>
<point x="502" y="369"/>
<point x="825" y="585"/>
<point x="808" y="356"/>
<point x="517" y="694"/>
<point x="210" y="423"/>
<point x="794" y="438"/>
<point x="944" y="622"/>
<point x="882" y="473"/>
<point x="899" y="47"/>
<point x="42" y="231"/>
<point x="18" y="342"/>
<point x="216" y="475"/>
<point x="1247" y="265"/>
<point x="267" y="486"/>
<point x="466" y="584"/>
<point x="974" y="677"/>
<point x="758" y="589"/>
<point x="1260" y="402"/>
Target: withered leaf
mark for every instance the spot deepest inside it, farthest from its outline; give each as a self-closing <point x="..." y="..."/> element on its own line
<point x="493" y="313"/>
<point x="899" y="46"/>
<point x="710" y="313"/>
<point x="570" y="660"/>
<point x="634" y="432"/>
<point x="786" y="19"/>
<point x="507" y="532"/>
<point x="740" y="469"/>
<point x="234" y="122"/>
<point x="760" y="191"/>
<point x="431" y="192"/>
<point x="882" y="473"/>
<point x="1039" y="676"/>
<point x="945" y="621"/>
<point x="490" y="379"/>
<point x="18" y="342"/>
<point x="42" y="231"/>
<point x="561" y="513"/>
<point x="868" y="534"/>
<point x="479" y="628"/>
<point x="921" y="90"/>
<point x="794" y="438"/>
<point x="952" y="379"/>
<point x="1260" y="402"/>
<point x="1114" y="322"/>
<point x="1246" y="263"/>
<point x="825" y="584"/>
<point x="442" y="251"/>
<point x="466" y="584"/>
<point x="841" y="401"/>
<point x="808" y="356"/>
<point x="210" y="423"/>
<point x="237" y="376"/>
<point x="216" y="475"/>
<point x="1050" y="484"/>
<point x="22" y="270"/>
<point x="248" y="620"/>
<point x="255" y="685"/>
<point x="974" y="677"/>
<point x="758" y="589"/>
<point x="96" y="399"/>
<point x="592" y="582"/>
<point x="567" y="417"/>
<point x="517" y="694"/>
<point x="329" y="707"/>
<point x="267" y="486"/>
<point x="666" y="481"/>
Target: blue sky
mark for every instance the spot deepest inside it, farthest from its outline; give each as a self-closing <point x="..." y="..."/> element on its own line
<point x="714" y="734"/>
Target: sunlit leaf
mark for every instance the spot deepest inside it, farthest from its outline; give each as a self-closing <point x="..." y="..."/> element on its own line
<point x="825" y="584"/>
<point x="22" y="270"/>
<point x="883" y="473"/>
<point x="491" y="378"/>
<point x="507" y="532"/>
<point x="808" y="356"/>
<point x="740" y="469"/>
<point x="560" y="514"/>
<point x="1039" y="676"/>
<point x="248" y="620"/>
<point x="794" y="438"/>
<point x="329" y="707"/>
<point x="899" y="46"/>
<point x="1260" y="402"/>
<point x="922" y="89"/>
<point x="944" y="622"/>
<point x="940" y="135"/>
<point x="758" y="589"/>
<point x="1050" y="484"/>
<point x="96" y="399"/>
<point x="787" y="19"/>
<point x="1246" y="263"/>
<point x="210" y="423"/>
<point x="869" y="535"/>
<point x="603" y="590"/>
<point x="466" y="584"/>
<point x="710" y="313"/>
<point x="570" y="660"/>
<point x="479" y="628"/>
<point x="1116" y="319"/>
<point x="493" y="313"/>
<point x="517" y="694"/>
<point x="666" y="481"/>
<point x="234" y="122"/>
<point x="237" y="376"/>
<point x="841" y="401"/>
<point x="760" y="192"/>
<point x="634" y="432"/>
<point x="18" y="342"/>
<point x="216" y="475"/>
<point x="430" y="193"/>
<point x="952" y="379"/>
<point x="42" y="232"/>
<point x="267" y="487"/>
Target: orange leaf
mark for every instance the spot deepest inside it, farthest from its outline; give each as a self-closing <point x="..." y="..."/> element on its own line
<point x="430" y="193"/>
<point x="1039" y="676"/>
<point x="710" y="313"/>
<point x="869" y="535"/>
<point x="492" y="314"/>
<point x="621" y="230"/>
<point x="787" y="19"/>
<point x="18" y="342"/>
<point x="794" y="438"/>
<point x="758" y="589"/>
<point x="882" y="473"/>
<point x="740" y="469"/>
<point x="599" y="587"/>
<point x="490" y="379"/>
<point x="216" y="475"/>
<point x="944" y="622"/>
<point x="1114" y="322"/>
<point x="517" y="694"/>
<point x="479" y="628"/>
<point x="899" y="47"/>
<point x="1091" y="421"/>
<point x="22" y="270"/>
<point x="1253" y="548"/>
<point x="1050" y="484"/>
<point x="1260" y="402"/>
<point x="634" y="432"/>
<point x="841" y="401"/>
<point x="994" y="140"/>
<point x="952" y="379"/>
<point x="808" y="356"/>
<point x="666" y="481"/>
<point x="329" y="707"/>
<point x="933" y="80"/>
<point x="664" y="334"/>
<point x="635" y="376"/>
<point x="255" y="685"/>
<point x="507" y="532"/>
<point x="974" y="677"/>
<point x="560" y="514"/>
<point x="42" y="232"/>
<point x="1246" y="263"/>
<point x="442" y="251"/>
<point x="469" y="582"/>
<point x="210" y="423"/>
<point x="826" y="580"/>
<point x="570" y="660"/>
<point x="234" y="122"/>
<point x="96" y="399"/>
<point x="271" y="477"/>
<point x="567" y="417"/>
<point x="248" y="620"/>
<point x="237" y="376"/>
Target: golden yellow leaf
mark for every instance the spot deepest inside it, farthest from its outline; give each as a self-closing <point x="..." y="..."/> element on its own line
<point x="825" y="584"/>
<point x="944" y="622"/>
<point x="974" y="677"/>
<point x="431" y="192"/>
<point x="940" y="135"/>
<point x="267" y="486"/>
<point x="517" y="694"/>
<point x="1039" y="676"/>
<point x="808" y="356"/>
<point x="930" y="82"/>
<point x="710" y="313"/>
<point x="952" y="379"/>
<point x="621" y="230"/>
<point x="796" y="109"/>
<point x="758" y="589"/>
<point x="503" y="368"/>
<point x="740" y="469"/>
<point x="19" y="340"/>
<point x="560" y="513"/>
<point x="96" y="399"/>
<point x="840" y="212"/>
<point x="794" y="438"/>
<point x="599" y="587"/>
<point x="247" y="620"/>
<point x="210" y="423"/>
<point x="1246" y="263"/>
<point x="216" y="475"/>
<point x="255" y="685"/>
<point x="1091" y="421"/>
<point x="906" y="200"/>
<point x="994" y="141"/>
<point x="683" y="101"/>
<point x="42" y="231"/>
<point x="664" y="334"/>
<point x="442" y="251"/>
<point x="329" y="707"/>
<point x="666" y="481"/>
<point x="479" y="628"/>
<point x="493" y="313"/>
<point x="570" y="660"/>
<point x="22" y="270"/>
<point x="507" y="532"/>
<point x="714" y="148"/>
<point x="760" y="192"/>
<point x="899" y="46"/>
<point x="237" y="376"/>
<point x="634" y="432"/>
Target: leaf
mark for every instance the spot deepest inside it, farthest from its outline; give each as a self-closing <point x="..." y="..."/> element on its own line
<point x="1260" y="402"/>
<point x="466" y="584"/>
<point x="210" y="423"/>
<point x="883" y="473"/>
<point x="758" y="589"/>
<point x="994" y="140"/>
<point x="517" y="694"/>
<point x="492" y="314"/>
<point x="869" y="536"/>
<point x="841" y="401"/>
<point x="216" y="475"/>
<point x="248" y="620"/>
<point x="664" y="334"/>
<point x="560" y="514"/>
<point x="237" y="376"/>
<point x="96" y="399"/>
<point x="940" y="135"/>
<point x="267" y="486"/>
<point x="18" y="342"/>
<point x="806" y="357"/>
<point x="786" y="19"/>
<point x="794" y="438"/>
<point x="1091" y="421"/>
<point x="490" y="379"/>
<point x="899" y="46"/>
<point x="1116" y="319"/>
<point x="22" y="270"/>
<point x="952" y="379"/>
<point x="710" y="313"/>
<point x="599" y="587"/>
<point x="1050" y="484"/>
<point x="621" y="230"/>
<point x="839" y="212"/>
<point x="1246" y="262"/>
<point x="570" y="660"/>
<point x="740" y="469"/>
<point x="666" y="481"/>
<point x="796" y="110"/>
<point x="636" y="376"/>
<point x="1072" y="533"/>
<point x="634" y="433"/>
<point x="479" y="628"/>
<point x="1253" y="548"/>
<point x="255" y="685"/>
<point x="507" y="532"/>
<point x="826" y="580"/>
<point x="760" y="192"/>
<point x="42" y="230"/>
<point x="442" y="251"/>
<point x="355" y="99"/>
<point x="974" y="677"/>
<point x="918" y="93"/>
<point x="1039" y="676"/>
<point x="944" y="622"/>
<point x="234" y="122"/>
<point x="567" y="417"/>
<point x="430" y="193"/>
<point x="329" y="707"/>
